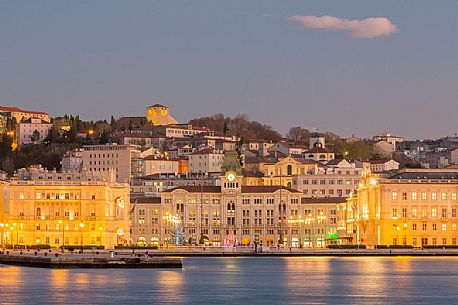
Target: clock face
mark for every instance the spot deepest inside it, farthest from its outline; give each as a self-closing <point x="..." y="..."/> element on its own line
<point x="231" y="177"/>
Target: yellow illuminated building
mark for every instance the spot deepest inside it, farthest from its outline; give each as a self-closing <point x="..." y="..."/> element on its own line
<point x="65" y="209"/>
<point x="280" y="172"/>
<point x="412" y="207"/>
<point x="159" y="115"/>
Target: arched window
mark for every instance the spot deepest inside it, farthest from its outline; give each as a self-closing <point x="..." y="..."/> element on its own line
<point x="38" y="214"/>
<point x="289" y="170"/>
<point x="322" y="156"/>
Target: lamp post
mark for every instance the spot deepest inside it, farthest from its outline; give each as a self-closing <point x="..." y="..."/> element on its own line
<point x="82" y="228"/>
<point x="100" y="236"/>
<point x="17" y="235"/>
<point x="63" y="235"/>
<point x="405" y="234"/>
<point x="2" y="225"/>
<point x="309" y="221"/>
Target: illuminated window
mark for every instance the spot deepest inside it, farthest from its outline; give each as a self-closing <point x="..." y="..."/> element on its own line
<point x="444" y="227"/>
<point x="454" y="196"/>
<point x="433" y="196"/>
<point x="434" y="212"/>
<point x="453" y="226"/>
<point x="394" y="196"/>
<point x="414" y="213"/>
<point x="414" y="196"/>
<point x="424" y="196"/>
<point x="394" y="213"/>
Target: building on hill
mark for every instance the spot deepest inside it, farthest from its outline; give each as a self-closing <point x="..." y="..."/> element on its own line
<point x="378" y="166"/>
<point x="207" y="160"/>
<point x="124" y="160"/>
<point x="159" y="115"/>
<point x="19" y="114"/>
<point x="70" y="209"/>
<point x="73" y="160"/>
<point x="32" y="131"/>
<point x="411" y="207"/>
<point x="335" y="179"/>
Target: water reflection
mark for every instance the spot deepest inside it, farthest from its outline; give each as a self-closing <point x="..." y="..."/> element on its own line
<point x="265" y="280"/>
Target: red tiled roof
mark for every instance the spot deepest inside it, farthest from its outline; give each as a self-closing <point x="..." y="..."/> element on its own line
<point x="16" y="109"/>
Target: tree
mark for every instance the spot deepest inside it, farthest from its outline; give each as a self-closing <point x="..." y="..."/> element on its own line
<point x="298" y="134"/>
<point x="225" y="129"/>
<point x="104" y="138"/>
<point x="35" y="136"/>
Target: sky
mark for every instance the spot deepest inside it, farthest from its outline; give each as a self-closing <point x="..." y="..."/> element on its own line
<point x="351" y="67"/>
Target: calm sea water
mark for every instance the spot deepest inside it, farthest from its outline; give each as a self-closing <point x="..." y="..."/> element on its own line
<point x="322" y="280"/>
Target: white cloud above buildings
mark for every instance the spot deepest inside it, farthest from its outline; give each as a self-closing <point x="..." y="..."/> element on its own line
<point x="360" y="28"/>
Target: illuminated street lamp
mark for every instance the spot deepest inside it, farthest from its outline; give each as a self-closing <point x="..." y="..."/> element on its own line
<point x="63" y="235"/>
<point x="309" y="221"/>
<point x="100" y="237"/>
<point x="82" y="228"/>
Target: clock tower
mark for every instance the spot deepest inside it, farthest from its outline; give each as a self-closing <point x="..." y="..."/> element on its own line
<point x="231" y="172"/>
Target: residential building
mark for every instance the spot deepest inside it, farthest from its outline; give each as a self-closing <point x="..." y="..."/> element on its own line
<point x="206" y="160"/>
<point x="123" y="159"/>
<point x="73" y="160"/>
<point x="69" y="209"/>
<point x="31" y="131"/>
<point x="164" y="165"/>
<point x="335" y="179"/>
<point x="414" y="207"/>
<point x="382" y="165"/>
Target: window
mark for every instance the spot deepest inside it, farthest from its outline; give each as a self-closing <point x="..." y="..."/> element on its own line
<point x="394" y="213"/>
<point x="453" y="212"/>
<point x="433" y="196"/>
<point x="394" y="196"/>
<point x="444" y="213"/>
<point x="434" y="212"/>
<point x="453" y="226"/>
<point x="404" y="212"/>
<point x="424" y="196"/>
<point x="414" y="196"/>
<point x="444" y="227"/>
<point x="404" y="196"/>
<point x="414" y="212"/>
<point x="434" y="227"/>
<point x="414" y="227"/>
<point x="444" y="196"/>
<point x="424" y="227"/>
<point x="454" y="196"/>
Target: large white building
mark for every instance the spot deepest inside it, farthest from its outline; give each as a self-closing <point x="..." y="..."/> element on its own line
<point x="124" y="160"/>
<point x="337" y="179"/>
<point x="32" y="131"/>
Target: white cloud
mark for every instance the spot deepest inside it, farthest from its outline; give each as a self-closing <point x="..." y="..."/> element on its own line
<point x="361" y="28"/>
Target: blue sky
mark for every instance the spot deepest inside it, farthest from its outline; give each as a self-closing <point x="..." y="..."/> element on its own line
<point x="98" y="58"/>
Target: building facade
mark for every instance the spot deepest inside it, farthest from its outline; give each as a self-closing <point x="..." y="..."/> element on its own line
<point x="69" y="209"/>
<point x="124" y="160"/>
<point x="414" y="207"/>
<point x="32" y="131"/>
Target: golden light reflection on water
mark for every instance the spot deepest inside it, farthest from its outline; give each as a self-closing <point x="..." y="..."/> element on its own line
<point x="299" y="270"/>
<point x="59" y="278"/>
<point x="11" y="277"/>
<point x="171" y="283"/>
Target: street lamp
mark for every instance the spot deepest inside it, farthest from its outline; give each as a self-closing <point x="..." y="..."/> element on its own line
<point x="82" y="228"/>
<point x="309" y="221"/>
<point x="17" y="235"/>
<point x="100" y="237"/>
<point x="405" y="234"/>
<point x="63" y="235"/>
